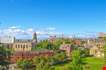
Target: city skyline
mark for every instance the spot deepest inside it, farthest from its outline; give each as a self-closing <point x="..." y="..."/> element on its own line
<point x="52" y="16"/>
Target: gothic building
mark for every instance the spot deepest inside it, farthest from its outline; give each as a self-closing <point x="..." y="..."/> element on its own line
<point x="24" y="44"/>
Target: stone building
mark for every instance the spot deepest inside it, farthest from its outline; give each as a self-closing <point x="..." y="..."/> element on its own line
<point x="95" y="47"/>
<point x="24" y="44"/>
<point x="95" y="51"/>
<point x="7" y="39"/>
<point x="18" y="44"/>
<point x="66" y="48"/>
<point x="52" y="39"/>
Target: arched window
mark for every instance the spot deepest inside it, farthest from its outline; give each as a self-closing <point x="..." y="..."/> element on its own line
<point x="26" y="46"/>
<point x="18" y="46"/>
<point x="23" y="46"/>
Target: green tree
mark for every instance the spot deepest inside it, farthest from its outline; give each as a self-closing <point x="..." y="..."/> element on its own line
<point x="24" y="64"/>
<point x="76" y="63"/>
<point x="41" y="45"/>
<point x="104" y="54"/>
<point x="42" y="63"/>
<point x="4" y="56"/>
<point x="104" y="48"/>
<point x="84" y="52"/>
<point x="59" y="57"/>
<point x="46" y="44"/>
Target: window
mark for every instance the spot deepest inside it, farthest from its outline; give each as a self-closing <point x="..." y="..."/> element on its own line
<point x="23" y="46"/>
<point x="18" y="46"/>
<point x="26" y="46"/>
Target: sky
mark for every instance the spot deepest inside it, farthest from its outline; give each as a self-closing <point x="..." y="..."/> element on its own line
<point x="23" y="17"/>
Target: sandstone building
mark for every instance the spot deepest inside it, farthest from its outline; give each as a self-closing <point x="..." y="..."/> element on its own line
<point x="18" y="44"/>
<point x="24" y="44"/>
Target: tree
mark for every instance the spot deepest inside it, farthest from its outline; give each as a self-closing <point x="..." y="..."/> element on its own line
<point x="84" y="52"/>
<point x="41" y="45"/>
<point x="104" y="54"/>
<point x="42" y="63"/>
<point x="46" y="44"/>
<point x="4" y="56"/>
<point x="59" y="57"/>
<point x="24" y="64"/>
<point x="104" y="47"/>
<point x="76" y="63"/>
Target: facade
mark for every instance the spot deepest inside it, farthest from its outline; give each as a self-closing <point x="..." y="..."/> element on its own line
<point x="77" y="42"/>
<point x="29" y="55"/>
<point x="96" y="52"/>
<point x="52" y="39"/>
<point x="7" y="39"/>
<point x="95" y="47"/>
<point x="22" y="45"/>
<point x="67" y="48"/>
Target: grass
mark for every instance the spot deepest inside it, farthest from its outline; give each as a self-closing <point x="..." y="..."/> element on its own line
<point x="92" y="63"/>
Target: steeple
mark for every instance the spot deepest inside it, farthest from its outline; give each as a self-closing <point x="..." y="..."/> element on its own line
<point x="34" y="37"/>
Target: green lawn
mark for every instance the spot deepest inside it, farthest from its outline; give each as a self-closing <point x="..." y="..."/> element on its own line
<point x="92" y="63"/>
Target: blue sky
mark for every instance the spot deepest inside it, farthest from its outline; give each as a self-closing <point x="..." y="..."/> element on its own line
<point x="64" y="16"/>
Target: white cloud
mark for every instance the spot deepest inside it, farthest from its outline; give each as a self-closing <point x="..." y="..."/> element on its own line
<point x="13" y="30"/>
<point x="13" y="27"/>
<point x="30" y="31"/>
<point x="51" y="28"/>
<point x="16" y="31"/>
<point x="47" y="31"/>
<point x="41" y="32"/>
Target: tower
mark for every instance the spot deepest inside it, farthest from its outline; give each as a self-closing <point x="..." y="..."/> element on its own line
<point x="34" y="39"/>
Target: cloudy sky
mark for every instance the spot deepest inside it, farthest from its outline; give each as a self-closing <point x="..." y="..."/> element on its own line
<point x="23" y="17"/>
<point x="19" y="32"/>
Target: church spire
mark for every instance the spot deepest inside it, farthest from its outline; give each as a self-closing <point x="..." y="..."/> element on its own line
<point x="35" y="37"/>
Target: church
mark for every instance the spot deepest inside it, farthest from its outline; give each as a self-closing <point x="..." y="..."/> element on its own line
<point x="19" y="44"/>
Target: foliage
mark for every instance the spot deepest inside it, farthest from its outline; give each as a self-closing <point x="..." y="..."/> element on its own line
<point x="4" y="56"/>
<point x="85" y="52"/>
<point x="42" y="63"/>
<point x="41" y="45"/>
<point x="76" y="63"/>
<point x="93" y="63"/>
<point x="104" y="53"/>
<point x="46" y="44"/>
<point x="59" y="57"/>
<point x="104" y="47"/>
<point x="24" y="64"/>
